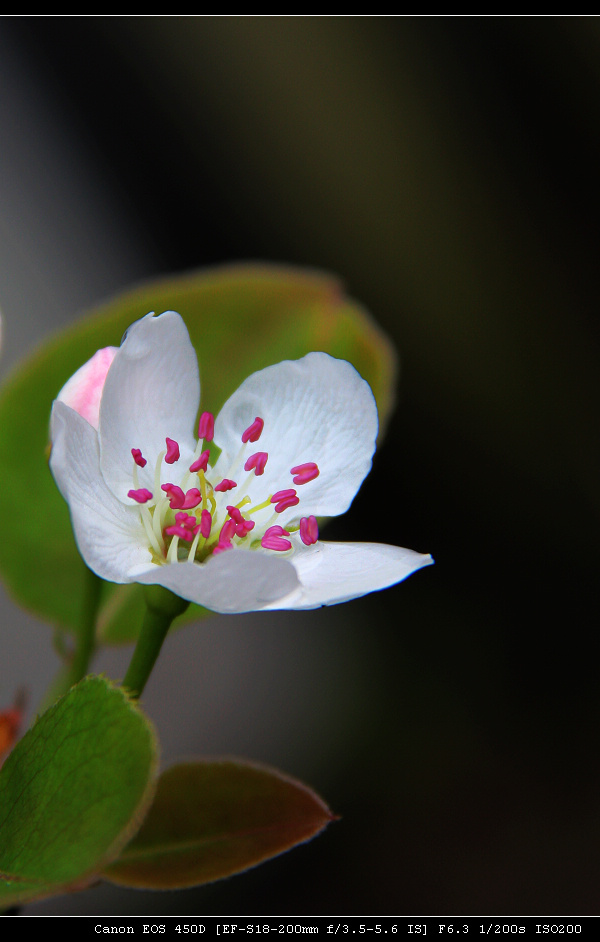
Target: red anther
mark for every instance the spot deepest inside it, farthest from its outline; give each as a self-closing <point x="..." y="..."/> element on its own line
<point x="284" y="504"/>
<point x="257" y="461"/>
<point x="273" y="539"/>
<point x="201" y="463"/>
<point x="254" y="431"/>
<point x="235" y="513"/>
<point x="206" y="427"/>
<point x="184" y="533"/>
<point x="309" y="530"/>
<point x="193" y="497"/>
<point x="142" y="495"/>
<point x="283" y="495"/>
<point x="185" y="520"/>
<point x="243" y="528"/>
<point x="175" y="494"/>
<point x="305" y="472"/>
<point x="205" y="523"/>
<point x="137" y="457"/>
<point x="172" y="454"/>
<point x="225" y="537"/>
<point x="225" y="485"/>
<point x="227" y="531"/>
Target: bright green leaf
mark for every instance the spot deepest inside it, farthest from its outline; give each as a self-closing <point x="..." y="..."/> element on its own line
<point x="240" y="319"/>
<point x="213" y="819"/>
<point x="73" y="791"/>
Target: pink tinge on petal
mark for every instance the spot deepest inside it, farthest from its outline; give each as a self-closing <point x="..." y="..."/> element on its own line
<point x="201" y="463"/>
<point x="273" y="539"/>
<point x="175" y="495"/>
<point x="142" y="495"/>
<point x="254" y="431"/>
<point x="257" y="461"/>
<point x="225" y="485"/>
<point x="205" y="523"/>
<point x="206" y="427"/>
<point x="285" y="503"/>
<point x="309" y="530"/>
<point x="83" y="391"/>
<point x="221" y="547"/>
<point x="137" y="457"/>
<point x="172" y="454"/>
<point x="193" y="497"/>
<point x="305" y="472"/>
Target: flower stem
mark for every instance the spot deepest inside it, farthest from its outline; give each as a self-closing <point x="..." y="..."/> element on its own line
<point x="162" y="607"/>
<point x="77" y="664"/>
<point x="86" y="639"/>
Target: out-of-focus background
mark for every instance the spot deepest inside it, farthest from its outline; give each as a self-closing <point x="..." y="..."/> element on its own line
<point x="447" y="170"/>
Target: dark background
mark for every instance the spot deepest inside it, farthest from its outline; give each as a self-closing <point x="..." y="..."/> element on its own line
<point x="446" y="168"/>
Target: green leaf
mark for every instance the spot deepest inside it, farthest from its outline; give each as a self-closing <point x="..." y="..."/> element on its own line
<point x="215" y="818"/>
<point x="240" y="319"/>
<point x="73" y="791"/>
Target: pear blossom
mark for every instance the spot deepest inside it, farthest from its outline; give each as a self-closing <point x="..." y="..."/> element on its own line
<point x="239" y="533"/>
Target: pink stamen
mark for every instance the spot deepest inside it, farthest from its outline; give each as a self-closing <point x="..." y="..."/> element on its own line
<point x="283" y="495"/>
<point x="182" y="532"/>
<point x="137" y="457"/>
<point x="205" y="523"/>
<point x="172" y="454"/>
<point x="175" y="494"/>
<point x="284" y="499"/>
<point x="309" y="530"/>
<point x="201" y="463"/>
<point x="257" y="461"/>
<point x="305" y="472"/>
<point x="225" y="536"/>
<point x="284" y="504"/>
<point x="235" y="513"/>
<point x="142" y="495"/>
<point x="206" y="427"/>
<point x="226" y="485"/>
<point x="185" y="520"/>
<point x="273" y="539"/>
<point x="227" y="531"/>
<point x="242" y="529"/>
<point x="193" y="497"/>
<point x="254" y="431"/>
<point x="242" y="526"/>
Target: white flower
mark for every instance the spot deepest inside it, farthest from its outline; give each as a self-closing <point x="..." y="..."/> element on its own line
<point x="296" y="442"/>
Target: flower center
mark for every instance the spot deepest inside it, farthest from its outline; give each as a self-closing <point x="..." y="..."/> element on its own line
<point x="203" y="515"/>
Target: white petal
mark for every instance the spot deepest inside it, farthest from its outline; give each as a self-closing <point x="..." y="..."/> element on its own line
<point x="317" y="409"/>
<point x="152" y="391"/>
<point x="330" y="573"/>
<point x="232" y="582"/>
<point x="83" y="391"/>
<point x="109" y="534"/>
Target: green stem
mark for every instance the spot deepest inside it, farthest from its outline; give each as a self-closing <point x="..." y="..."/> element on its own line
<point x="78" y="664"/>
<point x="161" y="608"/>
<point x="86" y="639"/>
